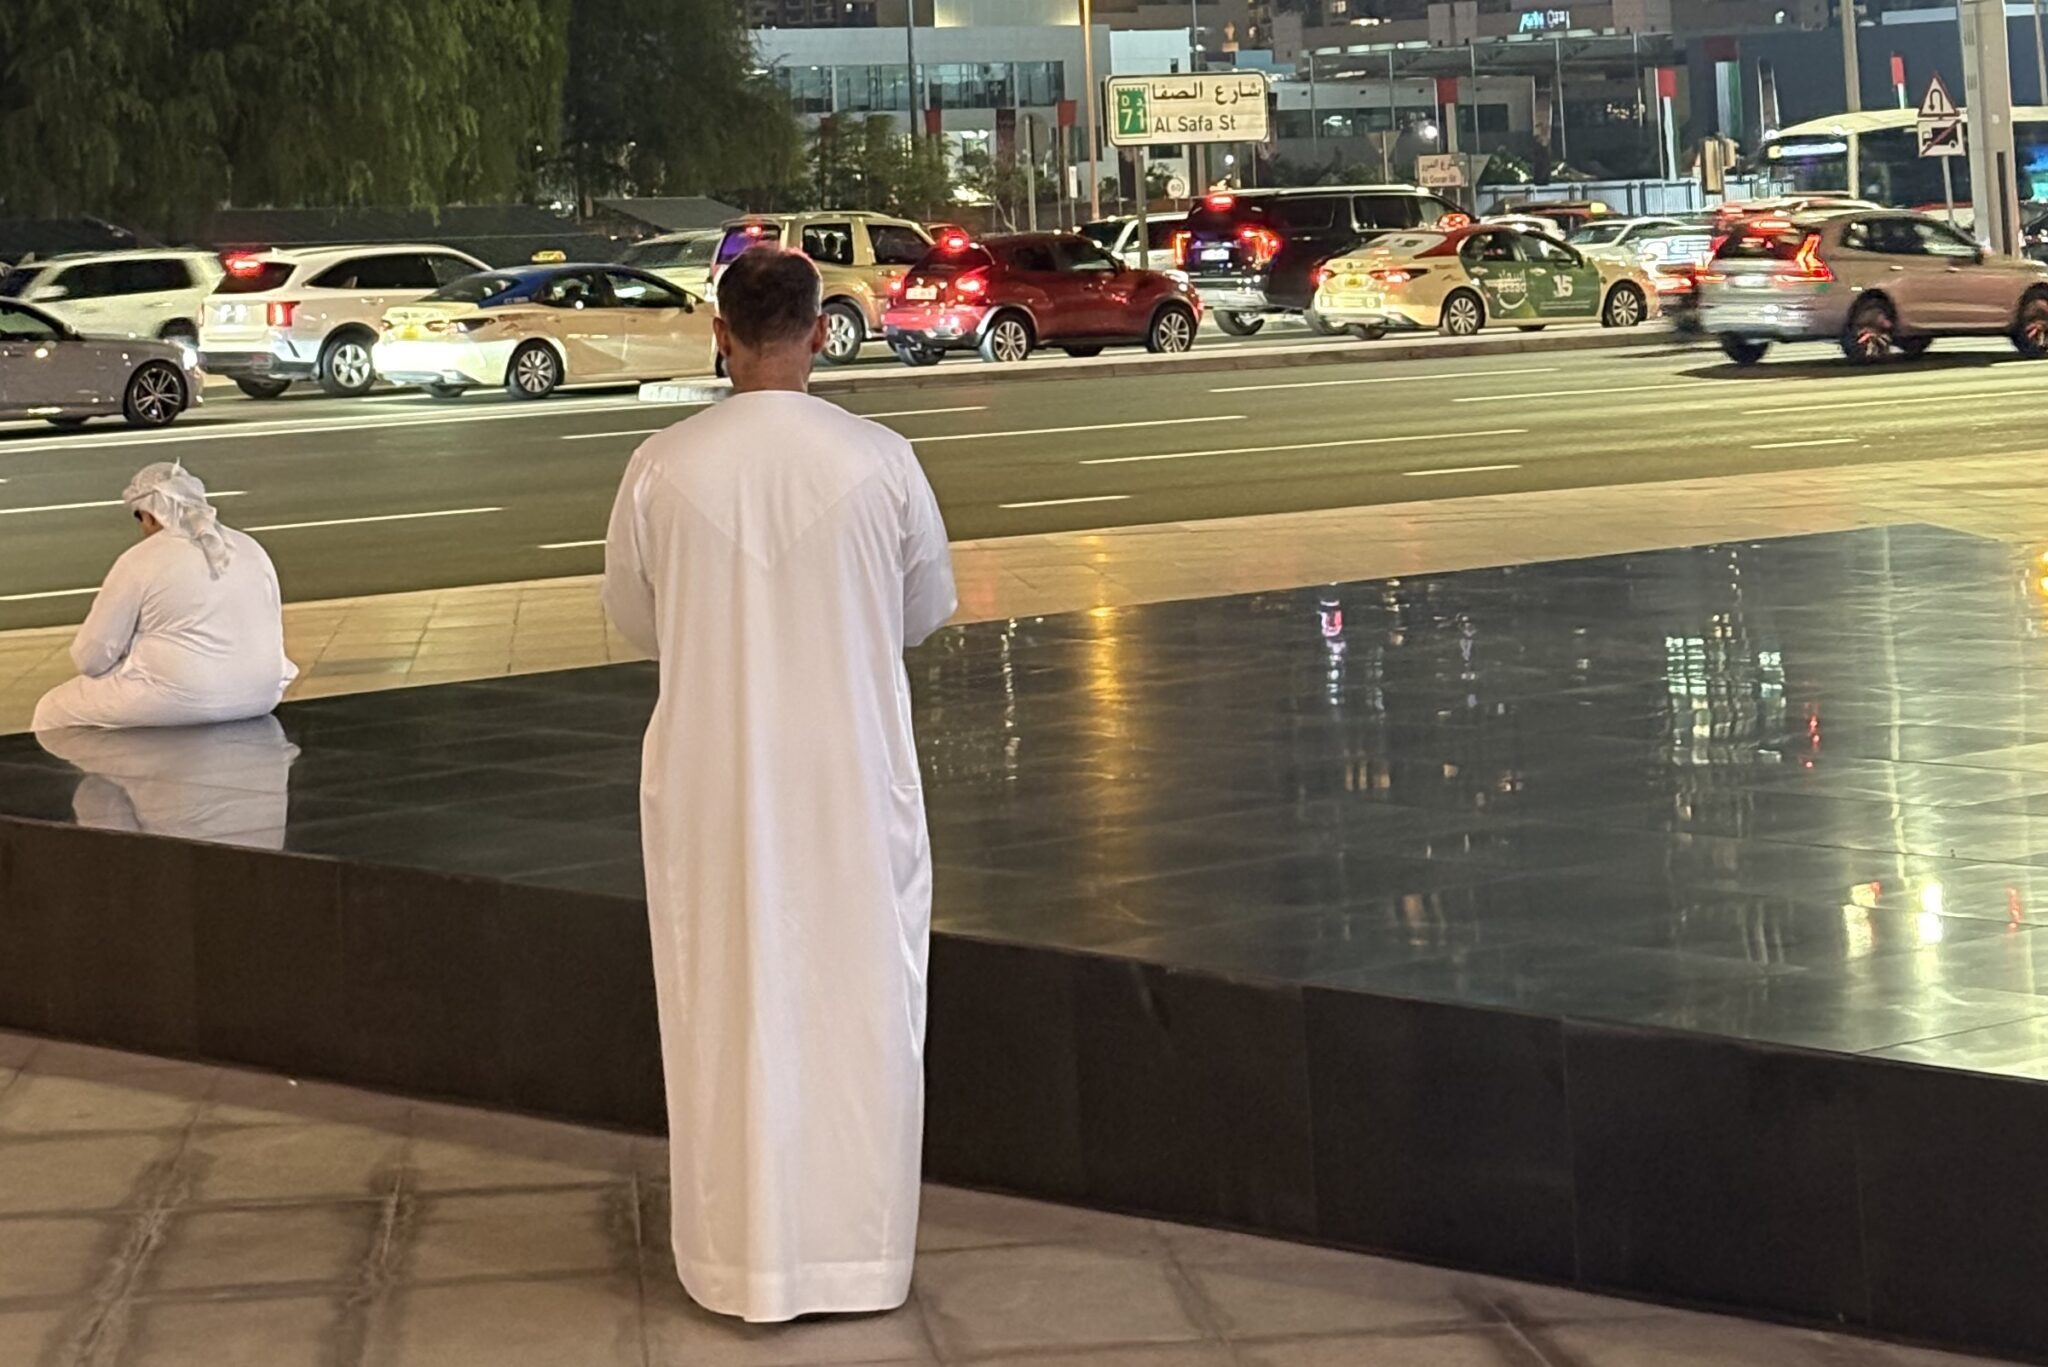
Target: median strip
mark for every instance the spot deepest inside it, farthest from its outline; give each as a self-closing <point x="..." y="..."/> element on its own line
<point x="1309" y="446"/>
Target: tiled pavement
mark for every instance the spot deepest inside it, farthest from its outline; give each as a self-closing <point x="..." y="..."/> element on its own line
<point x="437" y="636"/>
<point x="158" y="1214"/>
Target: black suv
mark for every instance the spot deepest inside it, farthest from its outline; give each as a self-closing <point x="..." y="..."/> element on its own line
<point x="1253" y="253"/>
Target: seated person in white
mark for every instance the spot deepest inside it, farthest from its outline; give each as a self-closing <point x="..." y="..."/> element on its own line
<point x="187" y="628"/>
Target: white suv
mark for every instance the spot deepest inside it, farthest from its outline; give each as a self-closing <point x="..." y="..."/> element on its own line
<point x="279" y="316"/>
<point x="137" y="293"/>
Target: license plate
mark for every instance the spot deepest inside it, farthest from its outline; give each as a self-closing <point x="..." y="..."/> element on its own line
<point x="410" y="332"/>
<point x="1352" y="282"/>
<point x="1216" y="254"/>
<point x="1749" y="282"/>
<point x="921" y="292"/>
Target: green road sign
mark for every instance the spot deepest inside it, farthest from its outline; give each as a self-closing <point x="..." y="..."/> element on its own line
<point x="1131" y="120"/>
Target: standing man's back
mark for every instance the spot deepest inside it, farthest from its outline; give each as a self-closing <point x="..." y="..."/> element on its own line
<point x="776" y="554"/>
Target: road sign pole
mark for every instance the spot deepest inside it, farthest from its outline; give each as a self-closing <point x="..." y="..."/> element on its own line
<point x="1144" y="208"/>
<point x="1948" y="190"/>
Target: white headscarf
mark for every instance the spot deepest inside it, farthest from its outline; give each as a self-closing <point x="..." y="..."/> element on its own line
<point x="176" y="498"/>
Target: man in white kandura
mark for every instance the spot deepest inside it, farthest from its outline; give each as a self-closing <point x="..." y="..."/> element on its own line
<point x="776" y="554"/>
<point x="188" y="626"/>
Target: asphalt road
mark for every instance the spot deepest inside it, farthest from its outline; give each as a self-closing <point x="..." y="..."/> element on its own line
<point x="400" y="492"/>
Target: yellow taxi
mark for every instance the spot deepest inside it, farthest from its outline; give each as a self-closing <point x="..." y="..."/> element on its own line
<point x="1461" y="279"/>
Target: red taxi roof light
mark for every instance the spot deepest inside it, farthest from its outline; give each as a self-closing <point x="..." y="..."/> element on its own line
<point x="955" y="242"/>
<point x="756" y="229"/>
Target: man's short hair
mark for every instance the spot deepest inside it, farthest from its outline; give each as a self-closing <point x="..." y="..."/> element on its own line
<point x="769" y="296"/>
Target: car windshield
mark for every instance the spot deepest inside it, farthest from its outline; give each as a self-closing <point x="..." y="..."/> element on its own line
<point x="1598" y="235"/>
<point x="1763" y="242"/>
<point x="473" y="289"/>
<point x="247" y="276"/>
<point x="690" y="251"/>
<point x="939" y="261"/>
<point x="742" y="236"/>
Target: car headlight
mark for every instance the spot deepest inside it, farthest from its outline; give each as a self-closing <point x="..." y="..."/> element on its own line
<point x="188" y="356"/>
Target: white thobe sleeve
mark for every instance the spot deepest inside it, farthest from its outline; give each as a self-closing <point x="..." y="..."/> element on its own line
<point x="109" y="630"/>
<point x="628" y="591"/>
<point x="928" y="594"/>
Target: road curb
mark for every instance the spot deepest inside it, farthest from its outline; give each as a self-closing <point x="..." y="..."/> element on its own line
<point x="1193" y="363"/>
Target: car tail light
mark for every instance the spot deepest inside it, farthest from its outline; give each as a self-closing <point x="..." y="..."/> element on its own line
<point x="241" y="263"/>
<point x="1807" y="267"/>
<point x="971" y="286"/>
<point x="1220" y="202"/>
<point x="1395" y="276"/>
<point x="955" y="242"/>
<point x="1262" y="244"/>
<point x="756" y="229"/>
<point x="1182" y="240"/>
<point x="1710" y="277"/>
<point x="279" y="313"/>
<point x="895" y="285"/>
<point x="1320" y="276"/>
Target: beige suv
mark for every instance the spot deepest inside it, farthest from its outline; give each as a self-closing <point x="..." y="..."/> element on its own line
<point x="1874" y="280"/>
<point x="860" y="255"/>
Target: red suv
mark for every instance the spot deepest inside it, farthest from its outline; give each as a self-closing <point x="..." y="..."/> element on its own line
<point x="1008" y="295"/>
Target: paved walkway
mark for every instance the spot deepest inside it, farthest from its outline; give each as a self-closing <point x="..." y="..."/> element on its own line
<point x="158" y="1214"/>
<point x="437" y="636"/>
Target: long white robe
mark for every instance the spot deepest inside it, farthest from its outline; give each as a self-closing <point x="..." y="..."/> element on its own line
<point x="167" y="644"/>
<point x="776" y="554"/>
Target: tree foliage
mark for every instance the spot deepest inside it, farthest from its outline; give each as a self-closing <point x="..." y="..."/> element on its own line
<point x="866" y="163"/>
<point x="155" y="112"/>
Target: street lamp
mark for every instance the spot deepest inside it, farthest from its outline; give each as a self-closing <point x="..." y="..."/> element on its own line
<point x="1429" y="130"/>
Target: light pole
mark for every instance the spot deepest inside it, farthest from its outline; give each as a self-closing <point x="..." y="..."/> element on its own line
<point x="1852" y="75"/>
<point x="1094" y="120"/>
<point x="2040" y="60"/>
<point x="910" y="59"/>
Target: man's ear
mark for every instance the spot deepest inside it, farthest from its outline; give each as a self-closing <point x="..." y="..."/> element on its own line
<point x="721" y="338"/>
<point x="819" y="330"/>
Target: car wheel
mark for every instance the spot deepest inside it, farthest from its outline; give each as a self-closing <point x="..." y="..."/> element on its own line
<point x="1463" y="315"/>
<point x="1743" y="350"/>
<point x="1172" y="331"/>
<point x="1082" y="352"/>
<point x="345" y="369"/>
<point x="1868" y="338"/>
<point x="1238" y="324"/>
<point x="1624" y="308"/>
<point x="1367" y="332"/>
<point x="1320" y="325"/>
<point x="534" y="373"/>
<point x="446" y="391"/>
<point x="2030" y="329"/>
<point x="155" y="395"/>
<point x="845" y="330"/>
<point x="263" y="389"/>
<point x="1007" y="340"/>
<point x="919" y="356"/>
<point x="1914" y="346"/>
<point x="70" y="422"/>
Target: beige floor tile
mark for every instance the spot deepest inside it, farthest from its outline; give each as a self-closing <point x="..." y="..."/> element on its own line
<point x="682" y="1334"/>
<point x="49" y="1103"/>
<point x="455" y="1149"/>
<point x="1156" y="1355"/>
<point x="292" y="1162"/>
<point x="986" y="1301"/>
<point x="1470" y="1348"/>
<point x="56" y="1257"/>
<point x="294" y="1331"/>
<point x="523" y="1234"/>
<point x="40" y="1338"/>
<point x="1675" y="1339"/>
<point x="323" y="1245"/>
<point x="15" y="1048"/>
<point x="575" y="1322"/>
<point x="955" y="1218"/>
<point x="88" y="1173"/>
<point x="1259" y="1288"/>
<point x="241" y="1098"/>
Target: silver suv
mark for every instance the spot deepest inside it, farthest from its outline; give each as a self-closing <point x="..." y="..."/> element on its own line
<point x="1874" y="280"/>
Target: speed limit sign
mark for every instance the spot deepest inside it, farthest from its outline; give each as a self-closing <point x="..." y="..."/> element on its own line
<point x="1176" y="187"/>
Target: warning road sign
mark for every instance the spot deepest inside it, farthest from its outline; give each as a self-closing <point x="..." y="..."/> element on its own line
<point x="1939" y="123"/>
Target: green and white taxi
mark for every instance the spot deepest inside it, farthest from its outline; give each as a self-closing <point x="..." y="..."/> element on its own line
<point x="1459" y="280"/>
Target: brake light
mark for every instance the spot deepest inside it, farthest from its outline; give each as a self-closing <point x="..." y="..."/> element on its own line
<point x="278" y="313"/>
<point x="1320" y="276"/>
<point x="1182" y="239"/>
<point x="954" y="242"/>
<point x="1394" y="277"/>
<point x="1807" y="267"/>
<point x="1710" y="277"/>
<point x="972" y="286"/>
<point x="896" y="285"/>
<point x="1262" y="244"/>
<point x="1762" y="226"/>
<point x="242" y="263"/>
<point x="1220" y="202"/>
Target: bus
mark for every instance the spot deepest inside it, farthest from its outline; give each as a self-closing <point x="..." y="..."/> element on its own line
<point x="1875" y="155"/>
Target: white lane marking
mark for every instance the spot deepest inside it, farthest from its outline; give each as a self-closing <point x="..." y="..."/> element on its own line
<point x="46" y="593"/>
<point x="1577" y="393"/>
<point x="2029" y="395"/>
<point x="1811" y="441"/>
<point x="382" y="517"/>
<point x="568" y="545"/>
<point x="1387" y="379"/>
<point x="1310" y="446"/>
<point x="102" y="503"/>
<point x="901" y="413"/>
<point x="1091" y="427"/>
<point x="1456" y="470"/>
<point x="225" y="430"/>
<point x="1060" y="502"/>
